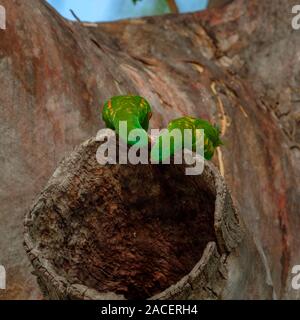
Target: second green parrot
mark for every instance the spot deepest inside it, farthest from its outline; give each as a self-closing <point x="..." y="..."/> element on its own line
<point x="211" y="138"/>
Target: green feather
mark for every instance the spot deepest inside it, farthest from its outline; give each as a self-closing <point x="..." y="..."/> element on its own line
<point x="134" y="110"/>
<point x="211" y="138"/>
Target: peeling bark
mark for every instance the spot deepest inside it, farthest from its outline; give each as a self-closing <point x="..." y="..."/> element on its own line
<point x="236" y="65"/>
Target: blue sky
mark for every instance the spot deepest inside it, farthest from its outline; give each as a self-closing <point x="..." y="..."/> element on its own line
<point x="108" y="10"/>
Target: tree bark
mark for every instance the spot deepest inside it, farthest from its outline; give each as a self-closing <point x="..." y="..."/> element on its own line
<point x="217" y="3"/>
<point x="237" y="66"/>
<point x="173" y="6"/>
<point x="139" y="231"/>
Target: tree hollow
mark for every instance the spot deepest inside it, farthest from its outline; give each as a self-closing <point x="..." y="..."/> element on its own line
<point x="130" y="230"/>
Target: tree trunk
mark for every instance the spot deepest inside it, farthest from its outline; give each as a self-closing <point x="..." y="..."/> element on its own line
<point x="217" y="3"/>
<point x="139" y="231"/>
<point x="173" y="6"/>
<point x="237" y="66"/>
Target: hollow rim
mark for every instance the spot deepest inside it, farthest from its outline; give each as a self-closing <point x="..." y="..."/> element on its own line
<point x="63" y="288"/>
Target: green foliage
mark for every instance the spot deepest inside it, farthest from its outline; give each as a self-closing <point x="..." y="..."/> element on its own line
<point x="156" y="7"/>
<point x="135" y="1"/>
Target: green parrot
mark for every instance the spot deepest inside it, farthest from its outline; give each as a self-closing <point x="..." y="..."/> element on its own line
<point x="135" y="110"/>
<point x="211" y="138"/>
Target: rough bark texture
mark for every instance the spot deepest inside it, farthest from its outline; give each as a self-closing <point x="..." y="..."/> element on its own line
<point x="139" y="231"/>
<point x="237" y="65"/>
<point x="217" y="3"/>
